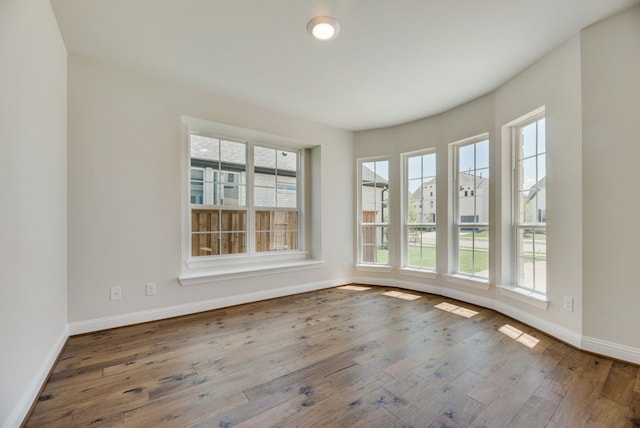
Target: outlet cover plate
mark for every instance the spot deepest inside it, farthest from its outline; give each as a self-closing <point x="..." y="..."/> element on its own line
<point x="567" y="303"/>
<point x="150" y="288"/>
<point x="116" y="293"/>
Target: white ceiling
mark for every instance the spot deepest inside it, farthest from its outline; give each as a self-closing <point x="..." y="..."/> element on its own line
<point x="394" y="60"/>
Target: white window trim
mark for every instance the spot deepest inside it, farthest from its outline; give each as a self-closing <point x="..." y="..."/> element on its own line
<point x="196" y="270"/>
<point x="404" y="257"/>
<point x="360" y="265"/>
<point x="515" y="206"/>
<point x="516" y="291"/>
<point x="418" y="273"/>
<point x="454" y="276"/>
<point x="469" y="281"/>
<point x="525" y="295"/>
<point x="247" y="270"/>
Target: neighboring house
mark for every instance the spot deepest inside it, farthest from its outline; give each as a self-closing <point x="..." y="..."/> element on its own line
<point x="537" y="197"/>
<point x="473" y="198"/>
<point x="422" y="203"/>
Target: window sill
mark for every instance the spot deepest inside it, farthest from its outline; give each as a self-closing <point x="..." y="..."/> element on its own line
<point x="251" y="268"/>
<point x="469" y="281"/>
<point x="523" y="295"/>
<point x="373" y="268"/>
<point x="420" y="273"/>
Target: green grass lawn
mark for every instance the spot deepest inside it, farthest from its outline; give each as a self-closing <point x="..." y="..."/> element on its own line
<point x="466" y="262"/>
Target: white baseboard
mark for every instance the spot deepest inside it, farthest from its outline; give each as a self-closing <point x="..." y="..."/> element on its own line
<point x="611" y="349"/>
<point x="30" y="395"/>
<point x="192" y="308"/>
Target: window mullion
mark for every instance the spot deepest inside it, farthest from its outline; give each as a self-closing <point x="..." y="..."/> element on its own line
<point x="250" y="201"/>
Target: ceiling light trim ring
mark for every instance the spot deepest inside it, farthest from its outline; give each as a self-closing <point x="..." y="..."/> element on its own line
<point x="323" y="28"/>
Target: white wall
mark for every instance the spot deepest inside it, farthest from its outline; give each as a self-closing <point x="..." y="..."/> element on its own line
<point x="611" y="149"/>
<point x="33" y="191"/>
<point x="125" y="193"/>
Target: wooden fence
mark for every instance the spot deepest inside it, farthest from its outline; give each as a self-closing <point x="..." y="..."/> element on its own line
<point x="216" y="232"/>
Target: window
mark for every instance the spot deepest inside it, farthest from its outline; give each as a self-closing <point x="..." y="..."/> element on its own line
<point x="530" y="207"/>
<point x="244" y="197"/>
<point x="471" y="207"/>
<point x="373" y="225"/>
<point x="420" y="211"/>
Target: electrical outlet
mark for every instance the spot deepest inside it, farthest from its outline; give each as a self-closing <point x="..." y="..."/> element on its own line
<point x="151" y="288"/>
<point x="568" y="303"/>
<point x="116" y="293"/>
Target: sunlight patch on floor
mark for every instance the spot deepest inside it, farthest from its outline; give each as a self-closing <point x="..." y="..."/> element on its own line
<point x="455" y="309"/>
<point x="400" y="295"/>
<point x="519" y="336"/>
<point x="353" y="288"/>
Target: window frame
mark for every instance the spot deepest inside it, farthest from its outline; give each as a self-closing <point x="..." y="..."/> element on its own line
<point x="222" y="264"/>
<point x="456" y="223"/>
<point x="516" y="225"/>
<point x="406" y="212"/>
<point x="361" y="264"/>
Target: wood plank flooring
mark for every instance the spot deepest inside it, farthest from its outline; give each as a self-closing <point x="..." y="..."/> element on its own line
<point x="336" y="358"/>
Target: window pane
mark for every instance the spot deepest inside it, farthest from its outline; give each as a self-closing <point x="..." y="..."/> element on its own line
<point x="473" y="251"/>
<point x="542" y="167"/>
<point x="233" y="195"/>
<point x="205" y="147"/>
<point x="375" y="248"/>
<point x="286" y="198"/>
<point x="481" y="197"/>
<point x="204" y="239"/>
<point x="466" y="158"/>
<point x="528" y="173"/>
<point x="276" y="230"/>
<point x="531" y="252"/>
<point x="233" y="221"/>
<point x="482" y="154"/>
<point x="265" y="196"/>
<point x="422" y="247"/>
<point x="233" y="242"/>
<point x="528" y="140"/>
<point x="233" y="152"/>
<point x="429" y="165"/>
<point x="204" y="244"/>
<point x="466" y="198"/>
<point x="264" y="157"/>
<point x="414" y="167"/>
<point x="287" y="161"/>
<point x="527" y="208"/>
<point x="197" y="186"/>
<point x="542" y="138"/>
<point x="382" y="171"/>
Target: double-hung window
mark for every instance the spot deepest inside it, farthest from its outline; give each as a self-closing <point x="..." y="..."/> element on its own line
<point x="244" y="198"/>
<point x="471" y="207"/>
<point x="373" y="218"/>
<point x="530" y="207"/>
<point x="420" y="210"/>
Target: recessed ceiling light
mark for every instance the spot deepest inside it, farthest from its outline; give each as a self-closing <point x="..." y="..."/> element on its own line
<point x="323" y="27"/>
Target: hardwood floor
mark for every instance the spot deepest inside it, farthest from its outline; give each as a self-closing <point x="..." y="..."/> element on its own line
<point x="337" y="357"/>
